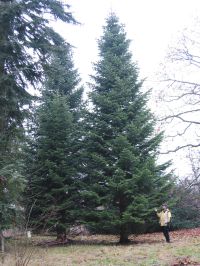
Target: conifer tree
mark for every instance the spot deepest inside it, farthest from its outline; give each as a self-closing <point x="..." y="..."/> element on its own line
<point x="123" y="182"/>
<point x="53" y="180"/>
<point x="26" y="40"/>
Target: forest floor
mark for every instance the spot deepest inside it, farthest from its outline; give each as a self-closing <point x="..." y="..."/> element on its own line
<point x="103" y="250"/>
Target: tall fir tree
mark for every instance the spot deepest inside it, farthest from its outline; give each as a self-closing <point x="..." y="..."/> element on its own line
<point x="26" y="40"/>
<point x="54" y="177"/>
<point x="122" y="182"/>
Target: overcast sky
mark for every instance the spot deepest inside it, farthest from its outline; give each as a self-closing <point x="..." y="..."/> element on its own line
<point x="152" y="26"/>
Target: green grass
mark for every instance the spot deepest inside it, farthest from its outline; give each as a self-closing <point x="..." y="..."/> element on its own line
<point x="148" y="250"/>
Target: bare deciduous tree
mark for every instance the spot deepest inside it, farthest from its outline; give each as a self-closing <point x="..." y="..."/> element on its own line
<point x="178" y="100"/>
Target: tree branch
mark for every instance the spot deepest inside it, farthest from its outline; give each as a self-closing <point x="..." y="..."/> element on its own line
<point x="181" y="147"/>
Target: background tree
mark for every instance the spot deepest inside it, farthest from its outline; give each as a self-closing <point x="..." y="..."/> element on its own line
<point x="12" y="184"/>
<point x="187" y="192"/>
<point x="54" y="173"/>
<point x="122" y="182"/>
<point x="178" y="100"/>
<point x="26" y="40"/>
<point x="178" y="103"/>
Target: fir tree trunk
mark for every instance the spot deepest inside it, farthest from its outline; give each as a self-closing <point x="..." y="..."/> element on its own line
<point x="61" y="236"/>
<point x="124" y="227"/>
<point x="124" y="235"/>
<point x="61" y="233"/>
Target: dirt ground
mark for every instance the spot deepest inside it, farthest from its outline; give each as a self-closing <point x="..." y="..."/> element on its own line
<point x="104" y="250"/>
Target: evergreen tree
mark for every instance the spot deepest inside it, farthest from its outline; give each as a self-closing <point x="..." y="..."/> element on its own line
<point x="26" y="40"/>
<point x="62" y="78"/>
<point x="12" y="184"/>
<point x="123" y="182"/>
<point x="53" y="180"/>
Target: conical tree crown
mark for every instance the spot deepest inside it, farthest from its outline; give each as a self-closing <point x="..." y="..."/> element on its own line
<point x="54" y="186"/>
<point x="62" y="77"/>
<point x="122" y="145"/>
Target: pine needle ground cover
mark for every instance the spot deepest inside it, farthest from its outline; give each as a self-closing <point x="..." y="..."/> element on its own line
<point x="96" y="250"/>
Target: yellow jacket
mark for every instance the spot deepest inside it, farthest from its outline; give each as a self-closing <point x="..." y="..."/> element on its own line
<point x="164" y="217"/>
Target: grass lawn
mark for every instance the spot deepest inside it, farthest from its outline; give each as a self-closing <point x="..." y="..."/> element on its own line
<point x="99" y="250"/>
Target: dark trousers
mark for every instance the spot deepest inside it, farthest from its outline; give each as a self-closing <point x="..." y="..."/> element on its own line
<point x="165" y="230"/>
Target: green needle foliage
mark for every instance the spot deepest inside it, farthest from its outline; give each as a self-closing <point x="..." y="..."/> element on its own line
<point x="49" y="183"/>
<point x="123" y="182"/>
<point x="12" y="184"/>
<point x="53" y="185"/>
<point x="26" y="41"/>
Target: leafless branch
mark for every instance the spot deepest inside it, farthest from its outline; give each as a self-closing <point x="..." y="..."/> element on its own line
<point x="181" y="82"/>
<point x="181" y="147"/>
<point x="180" y="94"/>
<point x="28" y="218"/>
<point x="178" y="116"/>
<point x="180" y="133"/>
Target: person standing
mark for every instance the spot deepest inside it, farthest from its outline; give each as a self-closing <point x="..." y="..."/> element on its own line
<point x="164" y="220"/>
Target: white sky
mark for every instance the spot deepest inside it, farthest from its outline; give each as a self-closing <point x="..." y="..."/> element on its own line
<point x="152" y="25"/>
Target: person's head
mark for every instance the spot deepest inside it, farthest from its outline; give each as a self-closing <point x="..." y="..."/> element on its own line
<point x="164" y="207"/>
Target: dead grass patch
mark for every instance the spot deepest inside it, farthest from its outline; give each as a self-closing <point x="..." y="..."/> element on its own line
<point x="103" y="250"/>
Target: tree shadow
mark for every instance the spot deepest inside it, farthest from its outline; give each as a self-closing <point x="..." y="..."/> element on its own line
<point x="97" y="242"/>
